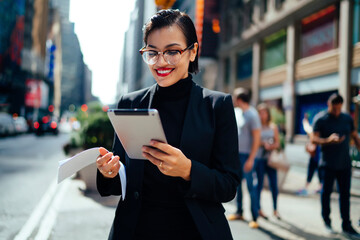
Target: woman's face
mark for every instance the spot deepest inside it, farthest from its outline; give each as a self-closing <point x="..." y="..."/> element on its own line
<point x="170" y="38"/>
<point x="263" y="115"/>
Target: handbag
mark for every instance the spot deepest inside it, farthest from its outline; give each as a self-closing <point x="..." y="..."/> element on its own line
<point x="310" y="148"/>
<point x="277" y="160"/>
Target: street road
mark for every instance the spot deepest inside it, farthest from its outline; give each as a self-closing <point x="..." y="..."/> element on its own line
<point x="28" y="167"/>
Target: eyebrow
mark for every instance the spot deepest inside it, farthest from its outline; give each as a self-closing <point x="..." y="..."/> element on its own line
<point x="167" y="46"/>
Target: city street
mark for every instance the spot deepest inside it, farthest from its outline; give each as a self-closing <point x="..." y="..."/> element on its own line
<point x="28" y="166"/>
<point x="34" y="206"/>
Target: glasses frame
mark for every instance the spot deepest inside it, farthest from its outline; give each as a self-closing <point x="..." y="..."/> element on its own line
<point x="181" y="51"/>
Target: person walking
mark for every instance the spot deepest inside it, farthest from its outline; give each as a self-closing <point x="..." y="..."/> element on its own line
<point x="270" y="141"/>
<point x="176" y="193"/>
<point x="333" y="132"/>
<point x="249" y="126"/>
<point x="314" y="152"/>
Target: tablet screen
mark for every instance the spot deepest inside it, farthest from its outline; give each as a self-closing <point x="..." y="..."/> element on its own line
<point x="136" y="128"/>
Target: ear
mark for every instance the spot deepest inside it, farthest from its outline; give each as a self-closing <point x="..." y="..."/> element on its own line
<point x="193" y="52"/>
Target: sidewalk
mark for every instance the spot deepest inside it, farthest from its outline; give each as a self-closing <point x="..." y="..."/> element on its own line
<point x="88" y="216"/>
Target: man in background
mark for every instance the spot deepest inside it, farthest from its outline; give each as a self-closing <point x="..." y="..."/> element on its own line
<point x="333" y="131"/>
<point x="249" y="129"/>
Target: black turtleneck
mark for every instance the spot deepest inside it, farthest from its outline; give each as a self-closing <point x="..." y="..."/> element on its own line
<point x="164" y="214"/>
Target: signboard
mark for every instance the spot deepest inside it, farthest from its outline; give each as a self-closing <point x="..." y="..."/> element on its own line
<point x="37" y="94"/>
<point x="33" y="93"/>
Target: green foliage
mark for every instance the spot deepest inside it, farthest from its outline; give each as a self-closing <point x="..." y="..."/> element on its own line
<point x="97" y="132"/>
<point x="96" y="129"/>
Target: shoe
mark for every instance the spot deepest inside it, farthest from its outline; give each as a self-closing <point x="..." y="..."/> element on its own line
<point x="302" y="192"/>
<point x="261" y="214"/>
<point x="235" y="216"/>
<point x="253" y="224"/>
<point x="276" y="214"/>
<point x="329" y="229"/>
<point x="351" y="233"/>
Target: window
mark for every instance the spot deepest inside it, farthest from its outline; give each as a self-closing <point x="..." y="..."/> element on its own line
<point x="274" y="52"/>
<point x="356" y="32"/>
<point x="244" y="64"/>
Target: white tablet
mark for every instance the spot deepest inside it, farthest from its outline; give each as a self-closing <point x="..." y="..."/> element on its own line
<point x="135" y="128"/>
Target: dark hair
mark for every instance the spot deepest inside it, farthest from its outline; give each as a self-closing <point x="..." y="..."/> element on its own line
<point x="169" y="17"/>
<point x="264" y="106"/>
<point x="242" y="94"/>
<point x="335" y="98"/>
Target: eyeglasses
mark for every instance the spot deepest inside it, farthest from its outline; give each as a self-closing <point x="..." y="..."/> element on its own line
<point x="172" y="57"/>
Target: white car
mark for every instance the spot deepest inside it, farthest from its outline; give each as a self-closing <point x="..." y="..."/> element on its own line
<point x="7" y="125"/>
<point x="21" y="125"/>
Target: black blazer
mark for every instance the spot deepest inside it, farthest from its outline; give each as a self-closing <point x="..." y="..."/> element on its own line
<point x="209" y="139"/>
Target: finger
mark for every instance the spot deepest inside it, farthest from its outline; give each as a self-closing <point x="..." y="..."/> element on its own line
<point x="156" y="153"/>
<point x="111" y="164"/>
<point x="152" y="159"/>
<point x="103" y="151"/>
<point x="104" y="159"/>
<point x="162" y="146"/>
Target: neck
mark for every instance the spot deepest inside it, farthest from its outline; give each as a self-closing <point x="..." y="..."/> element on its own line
<point x="245" y="107"/>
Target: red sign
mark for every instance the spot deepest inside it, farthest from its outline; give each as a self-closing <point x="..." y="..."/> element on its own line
<point x="33" y="93"/>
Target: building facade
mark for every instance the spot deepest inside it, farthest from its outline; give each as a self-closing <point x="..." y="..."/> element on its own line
<point x="291" y="53"/>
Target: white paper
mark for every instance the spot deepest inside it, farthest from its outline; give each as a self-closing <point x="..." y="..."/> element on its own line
<point x="70" y="166"/>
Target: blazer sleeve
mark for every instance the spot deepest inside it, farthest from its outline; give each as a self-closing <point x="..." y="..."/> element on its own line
<point x="111" y="186"/>
<point x="218" y="180"/>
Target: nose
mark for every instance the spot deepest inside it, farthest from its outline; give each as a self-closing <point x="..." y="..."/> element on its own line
<point x="161" y="60"/>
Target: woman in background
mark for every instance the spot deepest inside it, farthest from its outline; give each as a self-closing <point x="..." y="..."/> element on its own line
<point x="269" y="141"/>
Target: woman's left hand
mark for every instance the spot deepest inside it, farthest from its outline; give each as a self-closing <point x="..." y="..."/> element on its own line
<point x="169" y="160"/>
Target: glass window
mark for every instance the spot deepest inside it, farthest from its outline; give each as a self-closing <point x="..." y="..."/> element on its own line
<point x="356" y="32"/>
<point x="274" y="52"/>
<point x="318" y="32"/>
<point x="244" y="64"/>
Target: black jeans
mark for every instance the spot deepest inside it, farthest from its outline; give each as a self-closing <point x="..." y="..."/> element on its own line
<point x="343" y="178"/>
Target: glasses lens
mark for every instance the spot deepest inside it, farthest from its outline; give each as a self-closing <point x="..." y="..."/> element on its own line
<point x="150" y="57"/>
<point x="172" y="57"/>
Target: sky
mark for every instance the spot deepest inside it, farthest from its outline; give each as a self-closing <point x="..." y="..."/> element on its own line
<point x="100" y="26"/>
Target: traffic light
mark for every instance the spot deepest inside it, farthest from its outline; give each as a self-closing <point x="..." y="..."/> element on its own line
<point x="84" y="107"/>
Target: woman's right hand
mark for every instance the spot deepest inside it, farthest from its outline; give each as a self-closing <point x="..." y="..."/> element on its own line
<point x="107" y="164"/>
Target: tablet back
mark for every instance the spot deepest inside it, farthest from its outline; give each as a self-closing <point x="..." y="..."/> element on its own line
<point x="136" y="128"/>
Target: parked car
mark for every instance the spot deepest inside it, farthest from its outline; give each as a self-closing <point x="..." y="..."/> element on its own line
<point x="46" y="124"/>
<point x="21" y="125"/>
<point x="7" y="125"/>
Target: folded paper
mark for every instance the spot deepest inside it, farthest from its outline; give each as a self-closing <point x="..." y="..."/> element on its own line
<point x="70" y="166"/>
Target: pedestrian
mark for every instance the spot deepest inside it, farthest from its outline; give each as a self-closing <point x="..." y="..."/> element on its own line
<point x="270" y="141"/>
<point x="176" y="193"/>
<point x="314" y="152"/>
<point x="249" y="126"/>
<point x="333" y="131"/>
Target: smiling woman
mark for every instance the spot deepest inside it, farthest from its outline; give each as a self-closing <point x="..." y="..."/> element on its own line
<point x="177" y="193"/>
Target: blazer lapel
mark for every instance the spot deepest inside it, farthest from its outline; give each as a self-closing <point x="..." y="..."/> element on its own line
<point x="190" y="122"/>
<point x="198" y="130"/>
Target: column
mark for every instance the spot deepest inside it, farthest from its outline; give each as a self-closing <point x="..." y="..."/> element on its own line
<point x="219" y="84"/>
<point x="289" y="84"/>
<point x="255" y="80"/>
<point x="345" y="48"/>
<point x="233" y="70"/>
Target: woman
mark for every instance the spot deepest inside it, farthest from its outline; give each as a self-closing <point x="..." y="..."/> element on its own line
<point x="177" y="194"/>
<point x="269" y="141"/>
<point x="315" y="155"/>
